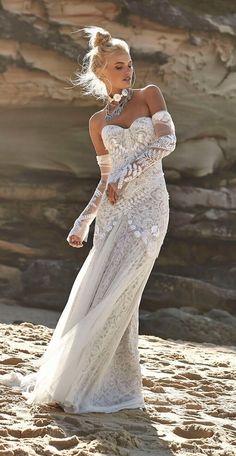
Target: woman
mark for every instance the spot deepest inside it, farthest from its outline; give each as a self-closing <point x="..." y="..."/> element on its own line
<point x="92" y="361"/>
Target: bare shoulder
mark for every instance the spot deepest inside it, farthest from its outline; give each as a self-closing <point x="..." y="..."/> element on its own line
<point x="154" y="98"/>
<point x="151" y="90"/>
<point x="95" y="125"/>
<point x="96" y="119"/>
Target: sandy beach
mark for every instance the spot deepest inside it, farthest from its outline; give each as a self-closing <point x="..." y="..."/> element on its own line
<point x="189" y="392"/>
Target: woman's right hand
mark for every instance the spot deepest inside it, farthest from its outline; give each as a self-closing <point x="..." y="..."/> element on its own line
<point x="112" y="192"/>
<point x="75" y="241"/>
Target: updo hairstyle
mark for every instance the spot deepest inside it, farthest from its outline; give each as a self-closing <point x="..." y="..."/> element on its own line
<point x="101" y="45"/>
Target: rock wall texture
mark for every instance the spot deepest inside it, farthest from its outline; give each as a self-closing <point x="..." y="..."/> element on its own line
<point x="48" y="168"/>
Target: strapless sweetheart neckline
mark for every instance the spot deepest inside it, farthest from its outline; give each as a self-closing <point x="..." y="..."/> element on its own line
<point x="125" y="128"/>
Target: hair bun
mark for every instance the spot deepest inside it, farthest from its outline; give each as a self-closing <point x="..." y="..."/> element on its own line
<point x="101" y="38"/>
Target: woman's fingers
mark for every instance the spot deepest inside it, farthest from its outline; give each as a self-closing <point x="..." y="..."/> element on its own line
<point x="113" y="198"/>
<point x="75" y="241"/>
<point x="112" y="194"/>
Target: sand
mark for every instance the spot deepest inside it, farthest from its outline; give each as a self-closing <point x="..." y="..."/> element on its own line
<point x="189" y="392"/>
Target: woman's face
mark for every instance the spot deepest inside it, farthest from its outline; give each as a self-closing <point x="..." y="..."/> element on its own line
<point x="118" y="71"/>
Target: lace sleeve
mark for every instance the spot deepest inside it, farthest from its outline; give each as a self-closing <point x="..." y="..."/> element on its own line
<point x="158" y="149"/>
<point x="82" y="223"/>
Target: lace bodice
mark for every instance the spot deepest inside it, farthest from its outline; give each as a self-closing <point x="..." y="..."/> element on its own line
<point x="144" y="201"/>
<point x="126" y="144"/>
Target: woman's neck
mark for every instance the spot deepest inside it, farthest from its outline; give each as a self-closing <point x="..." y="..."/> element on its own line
<point x="115" y="91"/>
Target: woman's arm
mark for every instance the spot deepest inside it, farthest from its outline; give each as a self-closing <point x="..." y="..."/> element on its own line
<point x="163" y="145"/>
<point x="80" y="229"/>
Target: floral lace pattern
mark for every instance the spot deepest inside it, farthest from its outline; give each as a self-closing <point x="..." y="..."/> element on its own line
<point x="82" y="223"/>
<point x="144" y="202"/>
<point x="115" y="345"/>
<point x="162" y="146"/>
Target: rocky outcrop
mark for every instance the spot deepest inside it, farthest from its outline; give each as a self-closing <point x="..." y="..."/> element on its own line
<point x="215" y="326"/>
<point x="48" y="168"/>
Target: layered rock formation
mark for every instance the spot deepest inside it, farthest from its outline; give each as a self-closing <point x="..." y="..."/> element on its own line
<point x="48" y="166"/>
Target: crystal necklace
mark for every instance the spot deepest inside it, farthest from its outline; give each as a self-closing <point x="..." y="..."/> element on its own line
<point x="122" y="99"/>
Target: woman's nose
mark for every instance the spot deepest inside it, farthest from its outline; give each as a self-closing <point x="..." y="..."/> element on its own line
<point x="128" y="73"/>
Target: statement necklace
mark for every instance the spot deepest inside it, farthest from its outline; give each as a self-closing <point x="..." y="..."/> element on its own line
<point x="122" y="100"/>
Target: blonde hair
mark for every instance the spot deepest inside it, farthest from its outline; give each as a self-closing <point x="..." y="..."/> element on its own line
<point x="101" y="45"/>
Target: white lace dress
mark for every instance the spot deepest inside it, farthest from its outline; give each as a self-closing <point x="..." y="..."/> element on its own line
<point x="91" y="363"/>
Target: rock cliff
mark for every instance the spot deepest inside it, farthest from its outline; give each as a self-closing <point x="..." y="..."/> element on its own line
<point x="48" y="167"/>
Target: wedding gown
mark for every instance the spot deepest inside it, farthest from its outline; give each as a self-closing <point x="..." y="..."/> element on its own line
<point x="92" y="363"/>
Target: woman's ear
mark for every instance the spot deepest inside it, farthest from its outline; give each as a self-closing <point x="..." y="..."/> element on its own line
<point x="100" y="74"/>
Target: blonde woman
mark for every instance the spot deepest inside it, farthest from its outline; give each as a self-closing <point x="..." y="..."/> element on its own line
<point x="92" y="362"/>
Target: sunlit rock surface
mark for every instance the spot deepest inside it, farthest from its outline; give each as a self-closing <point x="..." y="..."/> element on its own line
<point x="48" y="168"/>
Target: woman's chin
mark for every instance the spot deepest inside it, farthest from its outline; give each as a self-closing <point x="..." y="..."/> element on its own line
<point x="126" y="85"/>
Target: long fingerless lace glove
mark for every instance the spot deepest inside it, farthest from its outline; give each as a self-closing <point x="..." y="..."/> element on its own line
<point x="82" y="223"/>
<point x="158" y="149"/>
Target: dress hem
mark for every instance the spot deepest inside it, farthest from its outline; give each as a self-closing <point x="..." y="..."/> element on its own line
<point x="115" y="408"/>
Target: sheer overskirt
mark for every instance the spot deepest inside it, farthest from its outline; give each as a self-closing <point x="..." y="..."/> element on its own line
<point x="75" y="369"/>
